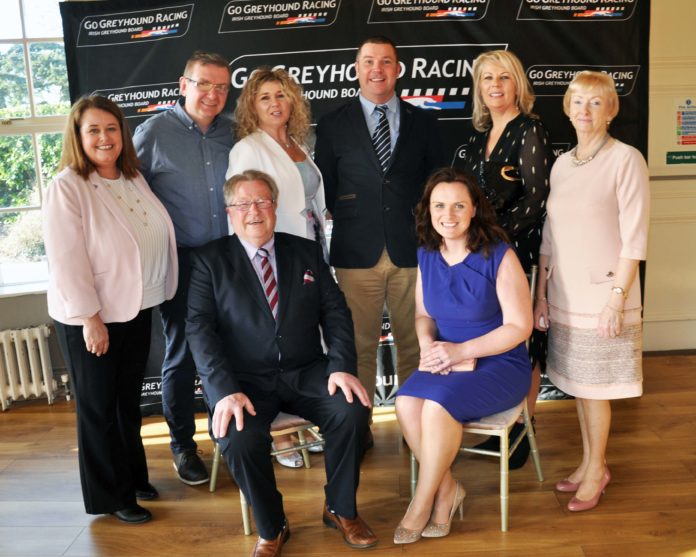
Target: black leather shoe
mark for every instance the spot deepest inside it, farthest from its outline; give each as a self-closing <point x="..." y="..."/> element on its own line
<point x="190" y="468"/>
<point x="146" y="493"/>
<point x="520" y="456"/>
<point x="133" y="515"/>
<point x="490" y="444"/>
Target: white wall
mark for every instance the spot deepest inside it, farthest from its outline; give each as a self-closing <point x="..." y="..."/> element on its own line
<point x="670" y="293"/>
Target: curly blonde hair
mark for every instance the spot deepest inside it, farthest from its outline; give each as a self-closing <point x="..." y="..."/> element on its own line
<point x="481" y="117"/>
<point x="246" y="118"/>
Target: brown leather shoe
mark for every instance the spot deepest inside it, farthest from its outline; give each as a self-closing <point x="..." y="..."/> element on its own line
<point x="272" y="548"/>
<point x="356" y="533"/>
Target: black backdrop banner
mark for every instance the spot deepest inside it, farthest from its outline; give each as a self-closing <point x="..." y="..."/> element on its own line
<point x="134" y="51"/>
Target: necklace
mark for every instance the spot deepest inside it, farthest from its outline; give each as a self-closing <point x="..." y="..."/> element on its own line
<point x="284" y="143"/>
<point x="130" y="192"/>
<point x="579" y="162"/>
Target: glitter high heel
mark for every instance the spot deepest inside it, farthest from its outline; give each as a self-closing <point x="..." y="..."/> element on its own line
<point x="404" y="535"/>
<point x="435" y="530"/>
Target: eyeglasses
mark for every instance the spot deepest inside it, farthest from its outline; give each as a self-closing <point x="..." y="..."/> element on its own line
<point x="245" y="206"/>
<point x="207" y="87"/>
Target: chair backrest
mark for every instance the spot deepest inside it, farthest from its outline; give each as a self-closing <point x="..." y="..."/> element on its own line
<point x="532" y="276"/>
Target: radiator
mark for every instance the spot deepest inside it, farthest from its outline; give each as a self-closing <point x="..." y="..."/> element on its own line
<point x="25" y="365"/>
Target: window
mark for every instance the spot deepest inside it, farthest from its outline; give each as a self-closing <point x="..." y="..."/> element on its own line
<point x="34" y="102"/>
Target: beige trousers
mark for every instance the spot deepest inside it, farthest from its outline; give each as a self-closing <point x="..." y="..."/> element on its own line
<point x="366" y="291"/>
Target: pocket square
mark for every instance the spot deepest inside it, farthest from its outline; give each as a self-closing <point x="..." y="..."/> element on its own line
<point x="308" y="277"/>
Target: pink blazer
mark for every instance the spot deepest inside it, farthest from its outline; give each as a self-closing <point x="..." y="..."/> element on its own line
<point x="93" y="258"/>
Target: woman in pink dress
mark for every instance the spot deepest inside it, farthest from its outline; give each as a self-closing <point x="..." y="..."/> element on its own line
<point x="588" y="295"/>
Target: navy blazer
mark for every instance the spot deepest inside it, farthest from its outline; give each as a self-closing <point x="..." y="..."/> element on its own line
<point x="230" y="328"/>
<point x="372" y="209"/>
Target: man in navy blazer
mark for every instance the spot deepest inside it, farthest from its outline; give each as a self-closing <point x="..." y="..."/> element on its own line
<point x="254" y="364"/>
<point x="372" y="202"/>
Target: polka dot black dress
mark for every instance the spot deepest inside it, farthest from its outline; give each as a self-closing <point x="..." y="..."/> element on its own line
<point x="515" y="179"/>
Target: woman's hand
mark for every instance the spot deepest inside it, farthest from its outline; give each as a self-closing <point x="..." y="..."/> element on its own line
<point x="444" y="357"/>
<point x="541" y="314"/>
<point x="610" y="322"/>
<point x="96" y="335"/>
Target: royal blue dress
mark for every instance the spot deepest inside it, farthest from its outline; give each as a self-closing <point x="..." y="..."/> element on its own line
<point x="462" y="300"/>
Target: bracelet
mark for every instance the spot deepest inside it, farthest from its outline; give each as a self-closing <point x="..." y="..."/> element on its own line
<point x="541" y="299"/>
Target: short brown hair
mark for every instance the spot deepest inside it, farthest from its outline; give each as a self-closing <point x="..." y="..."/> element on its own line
<point x="246" y="118"/>
<point x="377" y="39"/>
<point x="250" y="175"/>
<point x="73" y="151"/>
<point x="206" y="58"/>
<point x="483" y="233"/>
<point x="481" y="117"/>
<point x="588" y="81"/>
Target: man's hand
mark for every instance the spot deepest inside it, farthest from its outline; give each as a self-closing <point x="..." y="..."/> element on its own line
<point x="231" y="405"/>
<point x="349" y="384"/>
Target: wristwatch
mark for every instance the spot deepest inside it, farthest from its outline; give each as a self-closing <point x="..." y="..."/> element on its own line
<point x="619" y="290"/>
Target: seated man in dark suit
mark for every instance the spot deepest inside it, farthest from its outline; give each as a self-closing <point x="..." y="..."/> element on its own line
<point x="257" y="301"/>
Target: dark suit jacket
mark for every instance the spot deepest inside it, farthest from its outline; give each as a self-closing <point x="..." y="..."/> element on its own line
<point x="230" y="328"/>
<point x="372" y="209"/>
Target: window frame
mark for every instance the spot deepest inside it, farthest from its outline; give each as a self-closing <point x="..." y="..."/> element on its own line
<point x="34" y="126"/>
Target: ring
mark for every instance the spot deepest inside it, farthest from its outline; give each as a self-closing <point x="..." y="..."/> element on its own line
<point x="439" y="360"/>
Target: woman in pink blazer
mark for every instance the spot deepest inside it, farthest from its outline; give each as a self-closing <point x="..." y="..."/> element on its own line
<point x="112" y="257"/>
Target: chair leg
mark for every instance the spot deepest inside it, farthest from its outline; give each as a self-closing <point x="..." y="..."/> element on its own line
<point x="305" y="452"/>
<point x="504" y="487"/>
<point x="414" y="474"/>
<point x="216" y="467"/>
<point x="246" y="521"/>
<point x="531" y="436"/>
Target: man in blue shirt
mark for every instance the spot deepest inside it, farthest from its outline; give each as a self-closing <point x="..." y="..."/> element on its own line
<point x="184" y="154"/>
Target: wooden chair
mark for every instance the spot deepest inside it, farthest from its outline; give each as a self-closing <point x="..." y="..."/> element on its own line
<point x="282" y="424"/>
<point x="499" y="425"/>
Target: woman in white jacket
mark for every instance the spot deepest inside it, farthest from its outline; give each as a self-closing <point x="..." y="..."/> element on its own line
<point x="272" y="122"/>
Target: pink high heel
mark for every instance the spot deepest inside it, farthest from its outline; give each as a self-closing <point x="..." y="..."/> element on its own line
<point x="566" y="486"/>
<point x="577" y="505"/>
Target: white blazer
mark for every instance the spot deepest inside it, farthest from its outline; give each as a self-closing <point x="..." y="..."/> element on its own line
<point x="259" y="151"/>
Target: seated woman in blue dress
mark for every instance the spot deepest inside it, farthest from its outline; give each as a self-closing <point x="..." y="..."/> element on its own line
<point x="473" y="314"/>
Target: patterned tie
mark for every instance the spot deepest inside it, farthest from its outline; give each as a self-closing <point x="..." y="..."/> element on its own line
<point x="381" y="138"/>
<point x="270" y="287"/>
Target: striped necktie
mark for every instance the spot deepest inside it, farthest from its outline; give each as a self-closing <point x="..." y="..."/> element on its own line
<point x="381" y="138"/>
<point x="270" y="287"/>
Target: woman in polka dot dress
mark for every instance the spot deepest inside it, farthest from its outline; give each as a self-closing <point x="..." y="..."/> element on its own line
<point x="510" y="155"/>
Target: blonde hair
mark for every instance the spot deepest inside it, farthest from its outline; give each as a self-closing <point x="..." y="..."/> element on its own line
<point x="74" y="156"/>
<point x="589" y="81"/>
<point x="246" y="118"/>
<point x="481" y="117"/>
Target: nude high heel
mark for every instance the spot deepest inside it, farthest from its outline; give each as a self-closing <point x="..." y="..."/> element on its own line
<point x="404" y="535"/>
<point x="435" y="530"/>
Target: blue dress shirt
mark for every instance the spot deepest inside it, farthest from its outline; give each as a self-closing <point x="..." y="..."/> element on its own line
<point x="393" y="116"/>
<point x="186" y="170"/>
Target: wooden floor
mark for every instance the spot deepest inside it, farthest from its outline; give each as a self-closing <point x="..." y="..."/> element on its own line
<point x="649" y="508"/>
